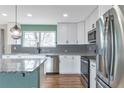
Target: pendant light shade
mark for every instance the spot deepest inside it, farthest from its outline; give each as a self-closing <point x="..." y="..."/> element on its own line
<point x="16" y="31"/>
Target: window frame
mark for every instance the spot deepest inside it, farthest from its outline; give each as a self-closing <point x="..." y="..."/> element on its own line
<point x="40" y="38"/>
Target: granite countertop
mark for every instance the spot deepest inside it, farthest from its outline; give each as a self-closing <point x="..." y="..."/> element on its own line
<point x="90" y="54"/>
<point x="20" y="65"/>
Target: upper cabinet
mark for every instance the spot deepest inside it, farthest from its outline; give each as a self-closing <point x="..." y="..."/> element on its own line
<point x="70" y="33"/>
<point x="103" y="9"/>
<point x="93" y="18"/>
<point x="77" y="33"/>
<point x="90" y="23"/>
<point x="67" y="33"/>
<point x="62" y="33"/>
<point x="80" y="33"/>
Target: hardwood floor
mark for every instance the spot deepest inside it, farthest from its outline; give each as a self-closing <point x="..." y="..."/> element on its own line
<point x="62" y="81"/>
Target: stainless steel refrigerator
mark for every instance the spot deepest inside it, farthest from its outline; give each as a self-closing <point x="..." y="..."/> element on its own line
<point x="110" y="44"/>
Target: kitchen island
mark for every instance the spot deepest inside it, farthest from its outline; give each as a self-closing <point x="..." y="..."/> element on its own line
<point x="21" y="73"/>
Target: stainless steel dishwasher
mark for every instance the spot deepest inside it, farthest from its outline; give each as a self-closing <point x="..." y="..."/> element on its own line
<point x="51" y="66"/>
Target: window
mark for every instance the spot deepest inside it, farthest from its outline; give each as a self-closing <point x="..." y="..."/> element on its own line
<point x="39" y="38"/>
<point x="47" y="39"/>
<point x="29" y="39"/>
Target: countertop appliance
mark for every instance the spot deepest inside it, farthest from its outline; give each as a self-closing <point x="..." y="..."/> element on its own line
<point x="85" y="72"/>
<point x="92" y="36"/>
<point x="110" y="44"/>
<point x="51" y="66"/>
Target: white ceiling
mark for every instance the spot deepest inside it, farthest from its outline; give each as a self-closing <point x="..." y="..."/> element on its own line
<point x="45" y="14"/>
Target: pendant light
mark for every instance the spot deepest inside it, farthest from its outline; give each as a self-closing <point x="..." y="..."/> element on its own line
<point x="16" y="31"/>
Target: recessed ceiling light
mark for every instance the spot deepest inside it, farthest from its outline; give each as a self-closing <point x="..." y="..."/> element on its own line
<point x="65" y="15"/>
<point x="29" y="15"/>
<point x="4" y="14"/>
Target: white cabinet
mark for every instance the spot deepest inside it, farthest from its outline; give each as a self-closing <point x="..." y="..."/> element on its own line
<point x="103" y="9"/>
<point x="66" y="33"/>
<point x="90" y="23"/>
<point x="70" y="33"/>
<point x="76" y="64"/>
<point x="93" y="18"/>
<point x="64" y="65"/>
<point x="62" y="33"/>
<point x="80" y="33"/>
<point x="92" y="73"/>
<point x="69" y="64"/>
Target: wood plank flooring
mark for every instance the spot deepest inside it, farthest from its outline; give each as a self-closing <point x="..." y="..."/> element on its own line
<point x="62" y="81"/>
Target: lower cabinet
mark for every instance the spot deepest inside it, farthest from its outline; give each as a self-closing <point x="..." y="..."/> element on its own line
<point x="92" y="73"/>
<point x="69" y="64"/>
<point x="20" y="80"/>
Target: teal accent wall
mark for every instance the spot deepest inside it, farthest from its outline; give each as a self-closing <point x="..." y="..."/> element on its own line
<point x="35" y="27"/>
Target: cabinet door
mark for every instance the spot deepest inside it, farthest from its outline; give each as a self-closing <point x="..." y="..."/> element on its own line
<point x="67" y="33"/>
<point x="64" y="65"/>
<point x="62" y="33"/>
<point x="72" y="33"/>
<point x="69" y="64"/>
<point x="61" y="65"/>
<point x="76" y="64"/>
<point x="93" y="18"/>
<point x="80" y="33"/>
<point x="73" y="64"/>
<point x="103" y="9"/>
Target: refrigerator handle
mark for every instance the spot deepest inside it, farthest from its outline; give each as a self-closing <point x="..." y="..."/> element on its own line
<point x="105" y="44"/>
<point x="112" y="47"/>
